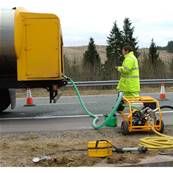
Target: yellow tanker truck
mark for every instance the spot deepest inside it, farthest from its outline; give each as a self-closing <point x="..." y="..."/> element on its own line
<point x="31" y="53"/>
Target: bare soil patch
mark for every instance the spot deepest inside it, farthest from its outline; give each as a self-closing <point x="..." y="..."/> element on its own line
<point x="18" y="149"/>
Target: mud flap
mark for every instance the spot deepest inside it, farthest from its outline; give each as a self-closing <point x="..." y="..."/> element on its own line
<point x="12" y="93"/>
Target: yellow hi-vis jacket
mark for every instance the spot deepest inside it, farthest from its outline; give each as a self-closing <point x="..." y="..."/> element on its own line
<point x="129" y="80"/>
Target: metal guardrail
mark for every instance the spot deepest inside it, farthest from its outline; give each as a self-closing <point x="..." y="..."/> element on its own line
<point x="115" y="82"/>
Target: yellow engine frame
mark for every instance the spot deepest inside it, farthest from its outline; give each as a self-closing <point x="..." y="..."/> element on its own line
<point x="129" y="101"/>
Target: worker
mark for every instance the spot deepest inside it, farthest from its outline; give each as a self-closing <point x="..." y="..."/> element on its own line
<point x="129" y="82"/>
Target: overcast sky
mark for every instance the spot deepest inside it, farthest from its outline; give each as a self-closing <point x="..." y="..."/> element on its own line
<point x="82" y="19"/>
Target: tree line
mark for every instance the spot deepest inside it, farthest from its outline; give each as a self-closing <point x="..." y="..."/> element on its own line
<point x="91" y="68"/>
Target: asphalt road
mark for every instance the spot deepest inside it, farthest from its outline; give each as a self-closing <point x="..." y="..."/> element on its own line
<point x="66" y="114"/>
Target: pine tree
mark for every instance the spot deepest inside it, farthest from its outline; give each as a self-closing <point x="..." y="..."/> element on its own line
<point x="113" y="52"/>
<point x="128" y="31"/>
<point x="115" y="44"/>
<point x="91" y="61"/>
<point x="153" y="54"/>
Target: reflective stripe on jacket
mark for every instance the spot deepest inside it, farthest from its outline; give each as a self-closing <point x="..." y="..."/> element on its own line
<point x="129" y="80"/>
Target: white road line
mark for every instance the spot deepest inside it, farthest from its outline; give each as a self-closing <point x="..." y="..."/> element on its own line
<point x="56" y="117"/>
<point x="48" y="117"/>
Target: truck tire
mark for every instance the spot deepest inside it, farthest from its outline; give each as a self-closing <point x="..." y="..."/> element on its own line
<point x="4" y="99"/>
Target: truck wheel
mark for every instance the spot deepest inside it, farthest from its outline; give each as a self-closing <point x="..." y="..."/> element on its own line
<point x="4" y="99"/>
<point x="125" y="128"/>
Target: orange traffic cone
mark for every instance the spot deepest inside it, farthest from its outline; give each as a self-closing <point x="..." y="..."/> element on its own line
<point x="162" y="92"/>
<point x="29" y="100"/>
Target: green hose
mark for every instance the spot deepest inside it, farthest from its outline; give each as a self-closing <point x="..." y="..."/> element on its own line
<point x="109" y="117"/>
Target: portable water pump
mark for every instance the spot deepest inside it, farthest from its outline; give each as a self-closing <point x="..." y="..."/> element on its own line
<point x="140" y="113"/>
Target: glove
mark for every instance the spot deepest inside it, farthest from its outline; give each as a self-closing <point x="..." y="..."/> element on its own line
<point x="116" y="67"/>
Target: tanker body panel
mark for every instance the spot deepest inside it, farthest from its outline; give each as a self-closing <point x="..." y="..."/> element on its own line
<point x="31" y="53"/>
